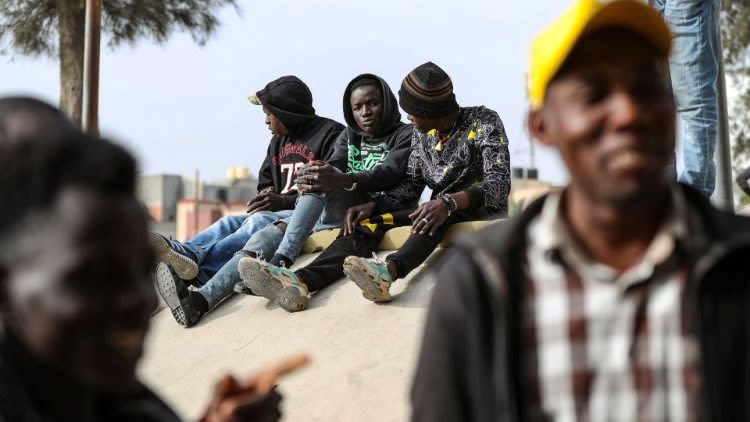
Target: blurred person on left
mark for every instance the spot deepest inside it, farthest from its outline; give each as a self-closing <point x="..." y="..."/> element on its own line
<point x="75" y="306"/>
<point x="26" y="117"/>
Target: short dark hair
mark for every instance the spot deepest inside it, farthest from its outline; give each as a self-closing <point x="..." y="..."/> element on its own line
<point x="365" y="81"/>
<point x="54" y="120"/>
<point x="34" y="172"/>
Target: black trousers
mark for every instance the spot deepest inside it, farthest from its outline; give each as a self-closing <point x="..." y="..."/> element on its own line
<point x="327" y="268"/>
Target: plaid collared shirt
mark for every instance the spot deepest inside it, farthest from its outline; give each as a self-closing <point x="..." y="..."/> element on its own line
<point x="604" y="346"/>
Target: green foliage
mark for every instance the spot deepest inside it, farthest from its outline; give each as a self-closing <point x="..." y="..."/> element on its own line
<point x="739" y="119"/>
<point x="29" y="27"/>
<point x="735" y="32"/>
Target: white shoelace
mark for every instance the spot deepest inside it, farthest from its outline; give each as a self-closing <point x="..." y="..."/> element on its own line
<point x="379" y="260"/>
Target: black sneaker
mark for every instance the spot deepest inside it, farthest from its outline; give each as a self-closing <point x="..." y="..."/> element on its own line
<point x="176" y="255"/>
<point x="181" y="301"/>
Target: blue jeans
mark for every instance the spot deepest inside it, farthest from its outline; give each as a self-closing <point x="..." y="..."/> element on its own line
<point x="312" y="213"/>
<point x="694" y="67"/>
<point x="331" y="207"/>
<point x="217" y="243"/>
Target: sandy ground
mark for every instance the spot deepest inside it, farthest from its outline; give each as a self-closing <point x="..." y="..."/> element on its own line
<point x="363" y="354"/>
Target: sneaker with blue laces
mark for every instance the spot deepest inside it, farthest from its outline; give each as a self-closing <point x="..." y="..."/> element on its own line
<point x="371" y="276"/>
<point x="274" y="283"/>
<point x="176" y="255"/>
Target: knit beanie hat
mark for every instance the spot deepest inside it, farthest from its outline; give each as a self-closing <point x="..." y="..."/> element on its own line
<point x="427" y="93"/>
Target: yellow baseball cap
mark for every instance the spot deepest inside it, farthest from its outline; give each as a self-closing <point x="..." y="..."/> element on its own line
<point x="551" y="47"/>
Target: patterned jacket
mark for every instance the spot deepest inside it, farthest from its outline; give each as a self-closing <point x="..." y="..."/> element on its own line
<point x="474" y="158"/>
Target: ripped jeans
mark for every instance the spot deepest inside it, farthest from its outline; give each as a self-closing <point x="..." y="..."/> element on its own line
<point x="218" y="242"/>
<point x="312" y="212"/>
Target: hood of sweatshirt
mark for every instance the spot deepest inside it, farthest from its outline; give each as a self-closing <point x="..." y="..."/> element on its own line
<point x="391" y="119"/>
<point x="289" y="100"/>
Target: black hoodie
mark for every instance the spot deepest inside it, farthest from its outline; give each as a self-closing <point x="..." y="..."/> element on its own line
<point x="311" y="137"/>
<point x="377" y="161"/>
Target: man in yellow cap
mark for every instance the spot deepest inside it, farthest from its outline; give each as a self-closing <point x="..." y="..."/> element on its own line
<point x="623" y="297"/>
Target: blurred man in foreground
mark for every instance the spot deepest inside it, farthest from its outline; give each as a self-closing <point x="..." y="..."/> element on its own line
<point x="623" y="297"/>
<point x="74" y="305"/>
<point x="23" y="117"/>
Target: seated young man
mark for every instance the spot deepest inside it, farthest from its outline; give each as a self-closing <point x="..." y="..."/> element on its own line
<point x="299" y="136"/>
<point x="75" y="305"/>
<point x="370" y="156"/>
<point x="460" y="153"/>
<point x="375" y="147"/>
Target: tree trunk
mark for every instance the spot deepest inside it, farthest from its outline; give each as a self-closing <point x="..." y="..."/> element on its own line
<point x="71" y="20"/>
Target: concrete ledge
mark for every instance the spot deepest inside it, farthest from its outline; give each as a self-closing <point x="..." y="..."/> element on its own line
<point x="394" y="238"/>
<point x="467" y="227"/>
<point x="319" y="241"/>
<point x="359" y="350"/>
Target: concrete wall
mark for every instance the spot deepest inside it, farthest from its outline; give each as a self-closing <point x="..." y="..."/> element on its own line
<point x="160" y="193"/>
<point x="525" y="191"/>
<point x="228" y="193"/>
<point x="173" y="192"/>
<point x="208" y="212"/>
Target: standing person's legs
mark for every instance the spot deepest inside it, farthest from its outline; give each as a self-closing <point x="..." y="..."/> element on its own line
<point x="694" y="67"/>
<point x="213" y="256"/>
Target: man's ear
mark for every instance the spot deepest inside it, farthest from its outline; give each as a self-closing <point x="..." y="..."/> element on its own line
<point x="537" y="126"/>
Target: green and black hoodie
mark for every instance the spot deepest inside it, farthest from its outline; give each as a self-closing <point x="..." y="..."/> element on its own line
<point x="378" y="161"/>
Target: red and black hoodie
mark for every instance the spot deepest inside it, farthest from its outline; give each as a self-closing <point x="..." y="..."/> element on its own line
<point x="311" y="137"/>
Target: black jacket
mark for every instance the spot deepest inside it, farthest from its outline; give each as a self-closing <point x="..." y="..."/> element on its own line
<point x="19" y="402"/>
<point x="312" y="140"/>
<point x="378" y="161"/>
<point x="470" y="365"/>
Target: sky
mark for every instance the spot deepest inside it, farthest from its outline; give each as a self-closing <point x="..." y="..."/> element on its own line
<point x="181" y="107"/>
